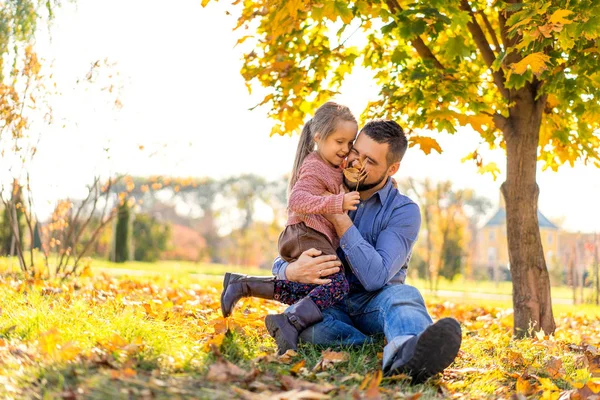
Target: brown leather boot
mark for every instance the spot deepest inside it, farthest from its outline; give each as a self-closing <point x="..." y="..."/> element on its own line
<point x="285" y="327"/>
<point x="236" y="286"/>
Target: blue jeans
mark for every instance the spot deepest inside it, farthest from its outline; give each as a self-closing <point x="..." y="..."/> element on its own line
<point x="397" y="311"/>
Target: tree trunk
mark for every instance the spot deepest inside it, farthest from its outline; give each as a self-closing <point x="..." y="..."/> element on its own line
<point x="531" y="283"/>
<point x="122" y="247"/>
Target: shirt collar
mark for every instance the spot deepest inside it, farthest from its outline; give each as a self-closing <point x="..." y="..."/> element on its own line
<point x="385" y="191"/>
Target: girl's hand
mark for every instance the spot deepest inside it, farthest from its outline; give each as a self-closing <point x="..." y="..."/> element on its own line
<point x="351" y="200"/>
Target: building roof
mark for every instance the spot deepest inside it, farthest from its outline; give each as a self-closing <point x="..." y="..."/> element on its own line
<point x="499" y="218"/>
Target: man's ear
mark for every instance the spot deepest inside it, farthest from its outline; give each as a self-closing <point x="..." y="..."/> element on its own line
<point x="392" y="169"/>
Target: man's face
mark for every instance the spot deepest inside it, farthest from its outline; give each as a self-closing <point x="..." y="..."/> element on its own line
<point x="374" y="156"/>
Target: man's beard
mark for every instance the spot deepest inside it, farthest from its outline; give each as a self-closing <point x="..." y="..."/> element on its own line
<point x="364" y="186"/>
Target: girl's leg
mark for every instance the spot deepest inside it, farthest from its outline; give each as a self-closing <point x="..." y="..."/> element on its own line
<point x="327" y="295"/>
<point x="324" y="296"/>
<point x="289" y="292"/>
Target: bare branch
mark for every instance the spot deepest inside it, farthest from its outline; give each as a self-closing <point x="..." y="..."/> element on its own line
<point x="484" y="48"/>
<point x="418" y="43"/>
<point x="73" y="238"/>
<point x="71" y="231"/>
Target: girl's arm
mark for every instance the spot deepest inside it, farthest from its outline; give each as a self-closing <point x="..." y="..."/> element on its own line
<point x="308" y="194"/>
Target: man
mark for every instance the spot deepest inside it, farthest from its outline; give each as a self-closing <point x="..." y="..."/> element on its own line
<point x="376" y="241"/>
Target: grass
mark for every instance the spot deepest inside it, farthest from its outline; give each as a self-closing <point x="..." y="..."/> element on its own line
<point x="149" y="336"/>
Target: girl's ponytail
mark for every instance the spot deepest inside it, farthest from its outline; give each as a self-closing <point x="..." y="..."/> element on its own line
<point x="305" y="147"/>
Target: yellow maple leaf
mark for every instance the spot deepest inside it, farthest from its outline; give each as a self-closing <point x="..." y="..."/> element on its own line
<point x="478" y="122"/>
<point x="297" y="367"/>
<point x="523" y="386"/>
<point x="594" y="385"/>
<point x="558" y="17"/>
<point x="425" y="143"/>
<point x="203" y="3"/>
<point x="491" y="168"/>
<point x="538" y="62"/>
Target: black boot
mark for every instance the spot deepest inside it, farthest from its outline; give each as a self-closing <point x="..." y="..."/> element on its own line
<point x="285" y="327"/>
<point x="429" y="353"/>
<point x="236" y="286"/>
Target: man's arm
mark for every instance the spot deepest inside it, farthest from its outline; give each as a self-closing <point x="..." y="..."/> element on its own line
<point x="375" y="266"/>
<point x="310" y="267"/>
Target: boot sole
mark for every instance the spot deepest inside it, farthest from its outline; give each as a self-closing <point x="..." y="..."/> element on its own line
<point x="273" y="323"/>
<point x="226" y="279"/>
<point x="425" y="364"/>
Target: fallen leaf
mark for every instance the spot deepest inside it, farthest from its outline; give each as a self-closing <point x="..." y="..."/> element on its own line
<point x="524" y="387"/>
<point x="287" y="357"/>
<point x="296" y="368"/>
<point x="372" y="392"/>
<point x="222" y="370"/>
<point x="593" y="359"/>
<point x="593" y="385"/>
<point x="353" y="376"/>
<point x="329" y="359"/>
<point x="299" y="395"/>
<point x="290" y="383"/>
<point x="554" y="367"/>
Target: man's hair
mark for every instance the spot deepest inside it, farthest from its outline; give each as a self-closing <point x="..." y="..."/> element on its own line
<point x="386" y="131"/>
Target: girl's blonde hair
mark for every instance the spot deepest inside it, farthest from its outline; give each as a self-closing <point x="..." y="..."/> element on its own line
<point x="324" y="123"/>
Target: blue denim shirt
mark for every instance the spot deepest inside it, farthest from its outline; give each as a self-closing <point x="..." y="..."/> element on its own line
<point x="377" y="248"/>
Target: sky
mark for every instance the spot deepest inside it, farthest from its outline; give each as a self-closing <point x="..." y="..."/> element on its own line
<point x="183" y="99"/>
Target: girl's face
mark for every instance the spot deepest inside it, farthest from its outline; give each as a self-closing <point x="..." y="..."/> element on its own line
<point x="335" y="148"/>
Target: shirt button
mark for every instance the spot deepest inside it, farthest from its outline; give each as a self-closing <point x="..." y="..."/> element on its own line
<point x="362" y="205"/>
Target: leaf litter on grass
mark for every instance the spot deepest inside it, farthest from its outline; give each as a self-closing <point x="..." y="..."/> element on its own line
<point x="149" y="337"/>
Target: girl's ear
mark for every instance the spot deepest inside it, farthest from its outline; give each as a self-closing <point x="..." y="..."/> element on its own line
<point x="316" y="138"/>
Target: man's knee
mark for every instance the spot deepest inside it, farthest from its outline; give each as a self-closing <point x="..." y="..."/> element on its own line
<point x="402" y="294"/>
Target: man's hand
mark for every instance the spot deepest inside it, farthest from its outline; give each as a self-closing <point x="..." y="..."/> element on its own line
<point x="341" y="222"/>
<point x="311" y="267"/>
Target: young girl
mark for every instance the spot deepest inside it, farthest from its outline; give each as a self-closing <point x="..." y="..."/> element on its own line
<point x="314" y="190"/>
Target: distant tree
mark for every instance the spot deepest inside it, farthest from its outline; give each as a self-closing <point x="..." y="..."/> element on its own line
<point x="122" y="243"/>
<point x="150" y="238"/>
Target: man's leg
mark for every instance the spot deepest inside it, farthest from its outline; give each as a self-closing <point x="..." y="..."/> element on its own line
<point x="335" y="329"/>
<point x="399" y="313"/>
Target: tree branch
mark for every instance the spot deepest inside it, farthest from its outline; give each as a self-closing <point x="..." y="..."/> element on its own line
<point x="418" y="43"/>
<point x="503" y="124"/>
<point x="484" y="47"/>
<point x="490" y="29"/>
<point x="503" y="31"/>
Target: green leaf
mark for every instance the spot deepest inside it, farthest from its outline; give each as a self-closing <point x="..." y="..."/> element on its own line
<point x="389" y="27"/>
<point x="455" y="47"/>
<point x="344" y="12"/>
<point x="514" y="7"/>
<point x="398" y="56"/>
<point x="418" y="27"/>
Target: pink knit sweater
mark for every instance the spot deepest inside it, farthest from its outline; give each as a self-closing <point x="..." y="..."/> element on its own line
<point x="308" y="199"/>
